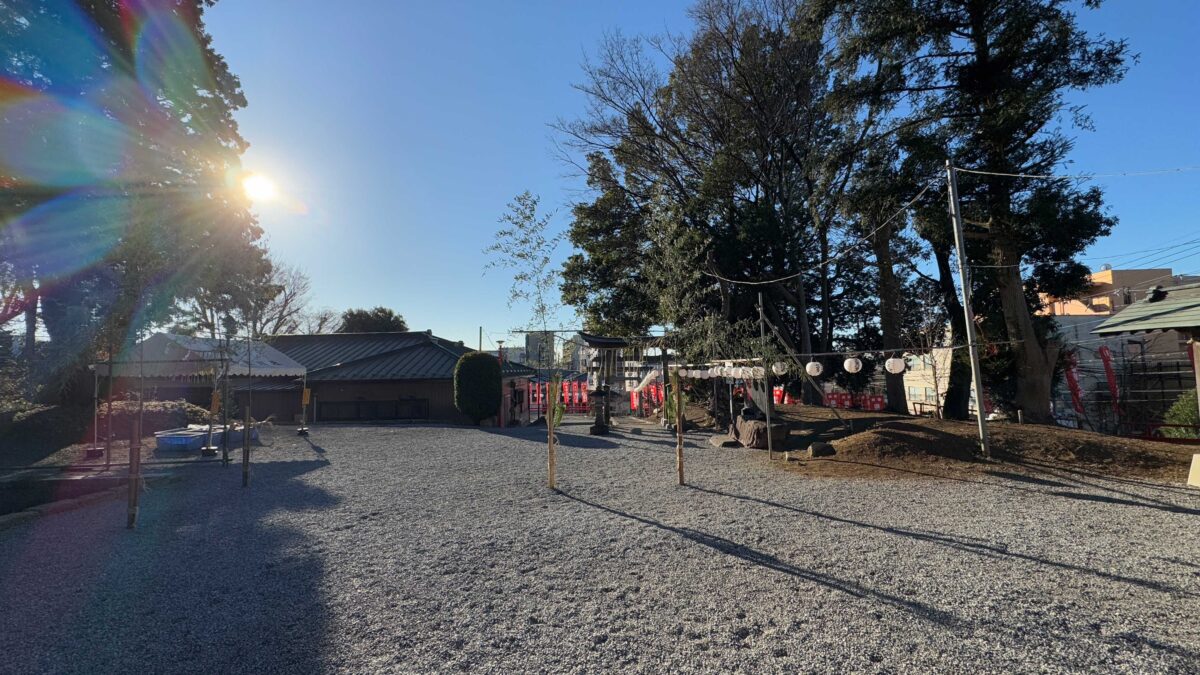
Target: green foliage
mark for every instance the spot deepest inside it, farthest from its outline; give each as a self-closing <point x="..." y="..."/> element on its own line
<point x="560" y="408"/>
<point x="121" y="232"/>
<point x="607" y="281"/>
<point x="30" y="434"/>
<point x="156" y="416"/>
<point x="1184" y="411"/>
<point x="525" y="245"/>
<point x="376" y="320"/>
<point x="669" y="400"/>
<point x="477" y="386"/>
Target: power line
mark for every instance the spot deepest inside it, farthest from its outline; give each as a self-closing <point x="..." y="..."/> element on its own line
<point x="836" y="256"/>
<point x="1172" y="250"/>
<point x="1083" y="176"/>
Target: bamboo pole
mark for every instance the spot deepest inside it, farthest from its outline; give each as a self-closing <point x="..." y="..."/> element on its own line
<point x="550" y="454"/>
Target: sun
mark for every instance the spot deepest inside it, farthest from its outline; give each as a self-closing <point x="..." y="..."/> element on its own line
<point x="259" y="188"/>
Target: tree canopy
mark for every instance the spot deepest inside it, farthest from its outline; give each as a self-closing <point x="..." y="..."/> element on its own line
<point x="375" y="320"/>
<point x="796" y="149"/>
<point x="119" y="187"/>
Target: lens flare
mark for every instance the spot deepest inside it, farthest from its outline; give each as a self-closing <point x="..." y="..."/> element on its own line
<point x="259" y="188"/>
<point x="66" y="235"/>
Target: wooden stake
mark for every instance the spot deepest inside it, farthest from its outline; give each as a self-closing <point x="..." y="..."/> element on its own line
<point x="678" y="427"/>
<point x="550" y="459"/>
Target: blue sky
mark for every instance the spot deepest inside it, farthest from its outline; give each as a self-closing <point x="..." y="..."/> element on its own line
<point x="406" y="127"/>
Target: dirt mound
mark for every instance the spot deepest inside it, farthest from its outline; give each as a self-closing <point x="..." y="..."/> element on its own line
<point x="914" y="443"/>
<point x="917" y="438"/>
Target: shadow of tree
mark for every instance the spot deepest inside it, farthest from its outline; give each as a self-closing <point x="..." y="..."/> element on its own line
<point x="967" y="544"/>
<point x="1169" y="508"/>
<point x="1021" y="478"/>
<point x="762" y="559"/>
<point x="210" y="581"/>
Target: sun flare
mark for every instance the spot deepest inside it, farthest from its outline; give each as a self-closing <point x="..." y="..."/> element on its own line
<point x="259" y="188"/>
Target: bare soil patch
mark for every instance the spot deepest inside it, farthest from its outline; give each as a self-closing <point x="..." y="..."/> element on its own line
<point x="895" y="446"/>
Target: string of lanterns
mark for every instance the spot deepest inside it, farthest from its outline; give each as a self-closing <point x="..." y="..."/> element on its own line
<point x="852" y="364"/>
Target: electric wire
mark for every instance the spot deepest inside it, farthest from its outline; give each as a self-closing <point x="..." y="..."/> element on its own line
<point x="836" y="256"/>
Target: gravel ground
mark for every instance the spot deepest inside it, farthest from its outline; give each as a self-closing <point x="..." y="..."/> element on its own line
<point x="419" y="549"/>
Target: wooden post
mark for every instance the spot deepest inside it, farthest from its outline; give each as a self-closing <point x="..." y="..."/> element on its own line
<point x="225" y="403"/>
<point x="769" y="400"/>
<point x="678" y="425"/>
<point x="246" y="415"/>
<point x="550" y="458"/>
<point x="108" y="413"/>
<point x="135" y="448"/>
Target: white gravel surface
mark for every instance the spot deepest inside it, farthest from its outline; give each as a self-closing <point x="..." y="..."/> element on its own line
<point x="416" y="549"/>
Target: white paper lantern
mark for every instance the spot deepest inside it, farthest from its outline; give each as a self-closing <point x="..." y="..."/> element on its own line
<point x="714" y="372"/>
<point x="894" y="365"/>
<point x="814" y="368"/>
<point x="779" y="368"/>
<point x="702" y="373"/>
<point x="852" y="364"/>
<point x="760" y="372"/>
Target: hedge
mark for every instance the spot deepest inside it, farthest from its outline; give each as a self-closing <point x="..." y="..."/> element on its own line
<point x="477" y="388"/>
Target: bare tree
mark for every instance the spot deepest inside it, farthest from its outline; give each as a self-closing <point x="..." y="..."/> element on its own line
<point x="320" y="321"/>
<point x="288" y="288"/>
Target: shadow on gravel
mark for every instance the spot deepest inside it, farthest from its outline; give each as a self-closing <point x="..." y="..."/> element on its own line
<point x="538" y="434"/>
<point x="966" y="544"/>
<point x="214" y="579"/>
<point x="654" y="437"/>
<point x="315" y="448"/>
<point x="1021" y="478"/>
<point x="1169" y="508"/>
<point x="742" y="552"/>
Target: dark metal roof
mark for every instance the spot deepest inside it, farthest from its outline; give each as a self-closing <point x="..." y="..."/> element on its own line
<point x="379" y="356"/>
<point x="1179" y="309"/>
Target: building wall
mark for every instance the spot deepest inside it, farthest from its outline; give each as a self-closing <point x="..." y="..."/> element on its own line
<point x="437" y="395"/>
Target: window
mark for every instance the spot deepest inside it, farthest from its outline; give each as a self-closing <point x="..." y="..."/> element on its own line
<point x="930" y="395"/>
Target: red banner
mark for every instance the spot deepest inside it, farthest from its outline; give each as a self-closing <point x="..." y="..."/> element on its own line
<point x="1111" y="375"/>
<point x="1073" y="384"/>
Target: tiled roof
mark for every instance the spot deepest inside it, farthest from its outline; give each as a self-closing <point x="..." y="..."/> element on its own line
<point x="378" y="356"/>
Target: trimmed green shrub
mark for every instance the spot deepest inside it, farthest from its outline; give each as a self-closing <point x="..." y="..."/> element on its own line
<point x="156" y="416"/>
<point x="477" y="386"/>
<point x="1182" y="412"/>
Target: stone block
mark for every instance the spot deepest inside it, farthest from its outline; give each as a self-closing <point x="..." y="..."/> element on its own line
<point x="1194" y="474"/>
<point x="821" y="449"/>
<point x="724" y="442"/>
<point x="753" y="433"/>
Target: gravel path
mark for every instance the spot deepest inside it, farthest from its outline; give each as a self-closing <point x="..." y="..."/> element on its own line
<point x="418" y="549"/>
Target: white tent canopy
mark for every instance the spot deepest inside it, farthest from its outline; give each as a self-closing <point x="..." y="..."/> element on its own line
<point x="165" y="355"/>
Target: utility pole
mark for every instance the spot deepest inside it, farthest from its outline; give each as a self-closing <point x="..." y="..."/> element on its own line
<point x="481" y="338"/>
<point x="968" y="312"/>
<point x="769" y="400"/>
<point x="246" y="414"/>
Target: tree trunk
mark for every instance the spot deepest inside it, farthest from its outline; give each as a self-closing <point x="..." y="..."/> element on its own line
<point x="958" y="385"/>
<point x="889" y="317"/>
<point x="826" y="293"/>
<point x="1034" y="363"/>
